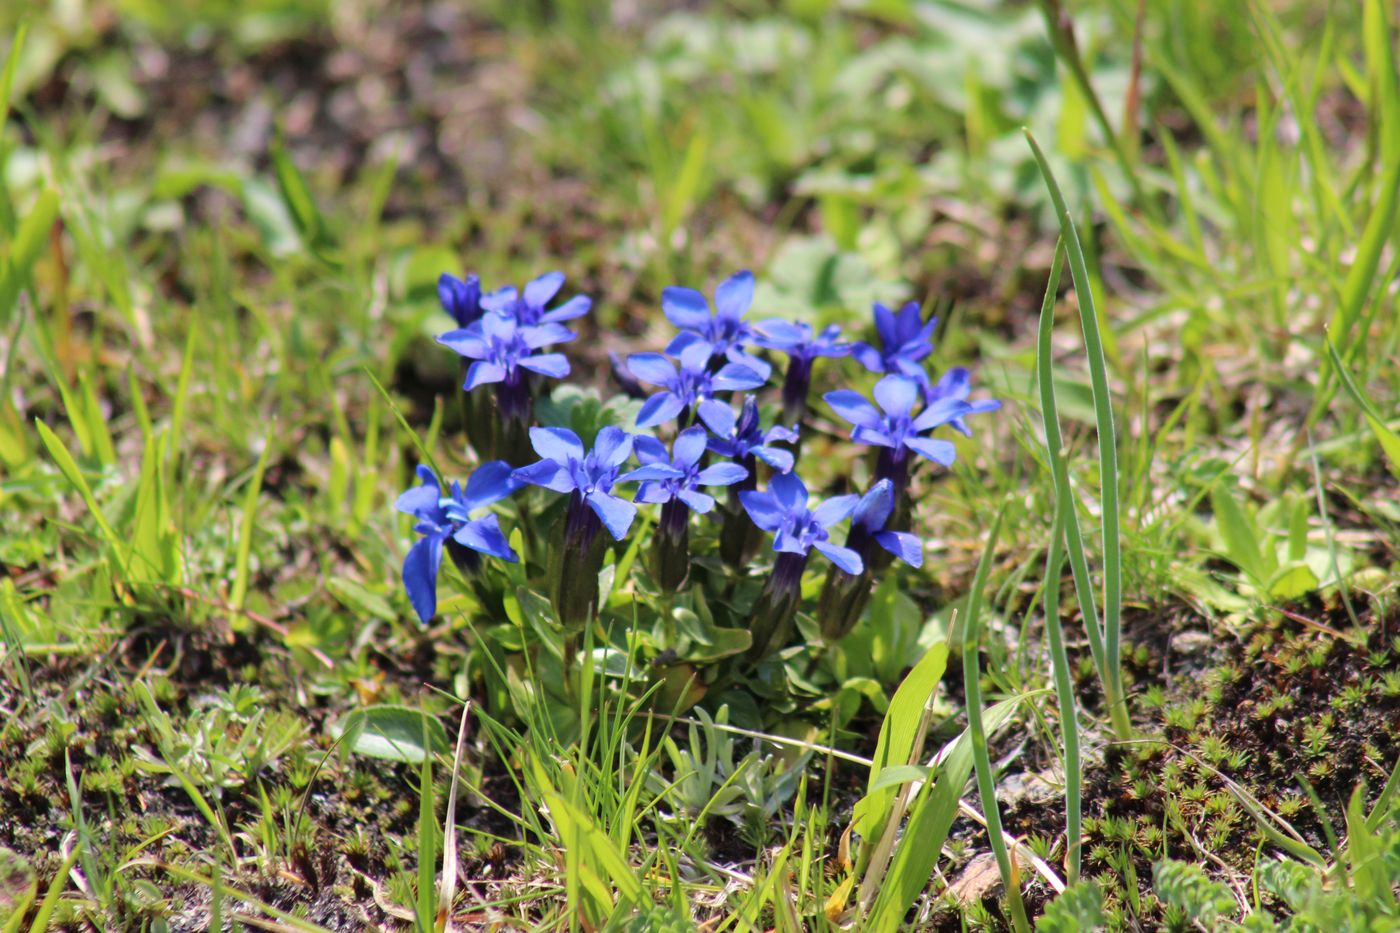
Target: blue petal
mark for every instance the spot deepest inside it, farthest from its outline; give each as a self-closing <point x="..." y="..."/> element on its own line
<point x="684" y="341"/>
<point x="869" y="357"/>
<point x="612" y="446"/>
<point x="490" y="482"/>
<point x="778" y="459"/>
<point x="649" y="450"/>
<point x="695" y="355"/>
<point x="498" y="325"/>
<point x="717" y="415"/>
<point x="938" y="451"/>
<point x="698" y="502"/>
<point x="483" y="373"/>
<point x="420" y="570"/>
<point x="734" y="295"/>
<point x="548" y="474"/>
<point x="485" y="536"/>
<point x="721" y="474"/>
<point x="878" y="437"/>
<point x="652" y="368"/>
<point x="738" y="377"/>
<point x="539" y="292"/>
<point x="502" y="299"/>
<point x="650" y="473"/>
<point x="886" y="326"/>
<point x="956" y="383"/>
<point x="940" y="412"/>
<point x="763" y="508"/>
<point x="685" y="307"/>
<point x="843" y="557"/>
<point x="854" y="408"/>
<point x="542" y="335"/>
<point x="903" y="545"/>
<point x="651" y="493"/>
<point x="575" y="307"/>
<point x="834" y="510"/>
<point x="689" y="446"/>
<point x="875" y="506"/>
<point x="778" y="334"/>
<point x="420" y="501"/>
<point x="660" y="408"/>
<point x="896" y="394"/>
<point x="616" y="514"/>
<point x="554" y="365"/>
<point x="788" y="543"/>
<point x="558" y="444"/>
<point x="466" y="342"/>
<point x="789" y="492"/>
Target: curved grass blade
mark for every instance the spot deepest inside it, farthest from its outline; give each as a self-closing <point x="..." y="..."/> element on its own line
<point x="1108" y="453"/>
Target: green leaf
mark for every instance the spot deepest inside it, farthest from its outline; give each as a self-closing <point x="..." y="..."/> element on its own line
<point x="357" y="598"/>
<point x="395" y="733"/>
<point x="245" y="530"/>
<point x="1241" y="537"/>
<point x="69" y="467"/>
<point x="897" y="734"/>
<point x="1292" y="581"/>
<point x="297" y="196"/>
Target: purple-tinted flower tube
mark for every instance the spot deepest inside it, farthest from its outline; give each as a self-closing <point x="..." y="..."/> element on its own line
<point x="588" y="477"/>
<point x="782" y="511"/>
<point x="678" y="497"/>
<point x="845" y="595"/>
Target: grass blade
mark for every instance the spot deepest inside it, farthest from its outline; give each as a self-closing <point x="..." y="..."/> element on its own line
<point x="1389" y="440"/>
<point x="1108" y="450"/>
<point x="245" y="531"/>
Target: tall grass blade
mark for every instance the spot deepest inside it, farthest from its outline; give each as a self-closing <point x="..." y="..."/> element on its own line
<point x="1108" y="452"/>
<point x="245" y="530"/>
<point x="1389" y="440"/>
<point x="1064" y="691"/>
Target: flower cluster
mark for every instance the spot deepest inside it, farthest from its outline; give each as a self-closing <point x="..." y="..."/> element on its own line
<point x="714" y="361"/>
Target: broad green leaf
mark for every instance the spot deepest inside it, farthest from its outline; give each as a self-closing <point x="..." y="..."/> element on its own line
<point x="396" y="733"/>
<point x="1292" y="581"/>
<point x="1242" y="544"/>
<point x="897" y="735"/>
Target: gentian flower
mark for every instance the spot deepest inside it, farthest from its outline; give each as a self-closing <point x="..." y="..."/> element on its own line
<point x="685" y="385"/>
<point x="461" y="300"/>
<point x="725" y="331"/>
<point x="802" y="345"/>
<point x="895" y="428"/>
<point x="678" y="496"/>
<point x="503" y="351"/>
<point x="688" y="448"/>
<point x="905" y="340"/>
<point x="844" y="594"/>
<point x="782" y="510"/>
<point x="528" y="309"/>
<point x="743" y="440"/>
<point x="589" y="476"/>
<point x="957" y="384"/>
<point x="446" y="521"/>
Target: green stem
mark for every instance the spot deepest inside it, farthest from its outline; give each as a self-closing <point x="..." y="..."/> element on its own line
<point x="1064" y="692"/>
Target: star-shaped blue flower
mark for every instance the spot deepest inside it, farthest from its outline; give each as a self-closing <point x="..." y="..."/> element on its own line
<point x="449" y="517"/>
<point x="896" y="427"/>
<point x="782" y="510"/>
<point x="528" y="309"/>
<point x="461" y="300"/>
<point x="905" y="340"/>
<point x="687" y="450"/>
<point x="957" y="384"/>
<point x="686" y="384"/>
<point x="501" y="346"/>
<point x="743" y="437"/>
<point x="802" y="345"/>
<point x="725" y="331"/>
<point x="565" y="466"/>
<point x="868" y="524"/>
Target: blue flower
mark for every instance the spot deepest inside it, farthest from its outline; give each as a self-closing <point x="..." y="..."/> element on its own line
<point x="461" y="300"/>
<point x="688" y="448"/>
<point x="443" y="518"/>
<point x="528" y="309"/>
<point x="783" y="511"/>
<point x="802" y="345"/>
<point x="685" y="385"/>
<point x="725" y="331"/>
<point x="566" y="467"/>
<point x="868" y="524"/>
<point x="905" y="340"/>
<point x="743" y="437"/>
<point x="957" y="384"/>
<point x="501" y="346"/>
<point x="896" y="427"/>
